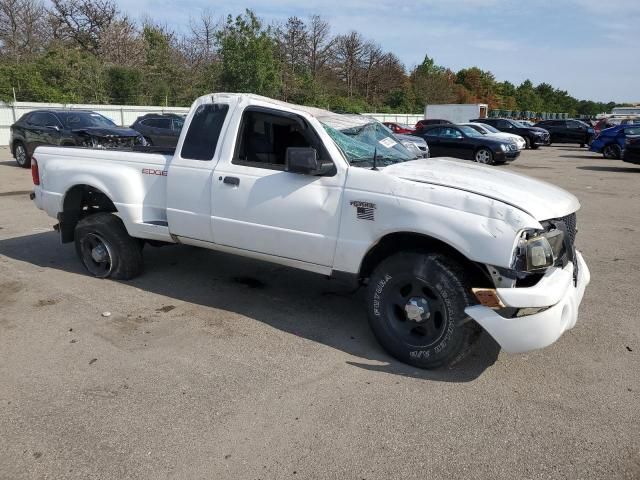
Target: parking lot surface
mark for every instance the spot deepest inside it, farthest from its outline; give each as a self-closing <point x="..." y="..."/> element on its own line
<point x="210" y="366"/>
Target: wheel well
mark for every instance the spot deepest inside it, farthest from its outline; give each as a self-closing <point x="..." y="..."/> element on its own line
<point x="404" y="241"/>
<point x="80" y="201"/>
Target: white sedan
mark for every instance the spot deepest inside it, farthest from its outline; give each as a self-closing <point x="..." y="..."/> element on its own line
<point x="485" y="129"/>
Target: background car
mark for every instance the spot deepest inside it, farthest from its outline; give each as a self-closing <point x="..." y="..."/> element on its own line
<point x="610" y="142"/>
<point x="414" y="144"/>
<point x="568" y="131"/>
<point x="431" y="121"/>
<point x="464" y="142"/>
<point x="609" y="122"/>
<point x="526" y="123"/>
<point x="399" y="128"/>
<point x="160" y="130"/>
<point x="533" y="136"/>
<point x="81" y="128"/>
<point x="631" y="153"/>
<point x="485" y="129"/>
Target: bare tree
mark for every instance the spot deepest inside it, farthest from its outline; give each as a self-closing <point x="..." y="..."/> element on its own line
<point x="23" y="29"/>
<point x="83" y="21"/>
<point x="349" y="51"/>
<point x="319" y="44"/>
<point x="372" y="59"/>
<point x="121" y="44"/>
<point x="202" y="39"/>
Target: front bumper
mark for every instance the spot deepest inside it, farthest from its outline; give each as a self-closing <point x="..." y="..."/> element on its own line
<point x="555" y="292"/>
<point x="544" y="139"/>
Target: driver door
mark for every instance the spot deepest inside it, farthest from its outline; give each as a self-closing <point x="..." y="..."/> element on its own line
<point x="260" y="207"/>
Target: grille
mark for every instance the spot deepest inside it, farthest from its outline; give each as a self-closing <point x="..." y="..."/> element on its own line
<point x="570" y="222"/>
<point x="569" y="252"/>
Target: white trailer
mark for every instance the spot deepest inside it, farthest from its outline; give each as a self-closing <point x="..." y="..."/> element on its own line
<point x="457" y="113"/>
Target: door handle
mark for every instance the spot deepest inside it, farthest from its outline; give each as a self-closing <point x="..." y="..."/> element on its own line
<point x="231" y="181"/>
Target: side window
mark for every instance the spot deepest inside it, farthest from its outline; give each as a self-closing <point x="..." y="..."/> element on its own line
<point x="178" y="123"/>
<point x="264" y="137"/>
<point x="50" y="120"/>
<point x="504" y="124"/>
<point x="38" y="119"/>
<point x="204" y="131"/>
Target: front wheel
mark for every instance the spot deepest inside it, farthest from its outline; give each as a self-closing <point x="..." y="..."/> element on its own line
<point x="612" y="152"/>
<point x="484" y="155"/>
<point x="416" y="304"/>
<point x="20" y="154"/>
<point x="105" y="248"/>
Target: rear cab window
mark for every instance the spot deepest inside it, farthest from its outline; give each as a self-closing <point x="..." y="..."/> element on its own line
<point x="204" y="131"/>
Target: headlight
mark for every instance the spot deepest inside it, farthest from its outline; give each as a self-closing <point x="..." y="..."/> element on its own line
<point x="504" y="147"/>
<point x="538" y="250"/>
<point x="141" y="141"/>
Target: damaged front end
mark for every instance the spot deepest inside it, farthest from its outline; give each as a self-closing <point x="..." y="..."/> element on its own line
<point x="537" y="299"/>
<point x="112" y="142"/>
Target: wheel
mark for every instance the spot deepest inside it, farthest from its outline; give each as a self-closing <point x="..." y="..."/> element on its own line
<point x="527" y="143"/>
<point x="416" y="305"/>
<point x="148" y="141"/>
<point x="106" y="249"/>
<point x="612" y="151"/>
<point x="582" y="145"/>
<point x="484" y="155"/>
<point x="534" y="146"/>
<point x="20" y="154"/>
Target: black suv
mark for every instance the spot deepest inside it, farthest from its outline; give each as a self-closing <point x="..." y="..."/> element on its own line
<point x="568" y="131"/>
<point x="533" y="136"/>
<point x="80" y="128"/>
<point x="160" y="130"/>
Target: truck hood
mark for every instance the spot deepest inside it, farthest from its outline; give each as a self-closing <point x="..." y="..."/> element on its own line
<point x="107" y="131"/>
<point x="539" y="199"/>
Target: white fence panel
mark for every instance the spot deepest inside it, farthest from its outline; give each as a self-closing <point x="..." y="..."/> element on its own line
<point x="404" y="118"/>
<point x="123" y="115"/>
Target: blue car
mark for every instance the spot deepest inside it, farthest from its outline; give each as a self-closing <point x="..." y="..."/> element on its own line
<point x="610" y="142"/>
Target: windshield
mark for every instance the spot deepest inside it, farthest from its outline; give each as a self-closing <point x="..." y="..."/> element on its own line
<point x="358" y="145"/>
<point x="469" y="131"/>
<point x="490" y="128"/>
<point x="518" y="124"/>
<point x="85" y="119"/>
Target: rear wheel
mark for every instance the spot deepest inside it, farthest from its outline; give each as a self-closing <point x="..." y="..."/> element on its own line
<point x="484" y="155"/>
<point x="527" y="143"/>
<point x="416" y="304"/>
<point x="612" y="151"/>
<point x="106" y="249"/>
<point x="20" y="154"/>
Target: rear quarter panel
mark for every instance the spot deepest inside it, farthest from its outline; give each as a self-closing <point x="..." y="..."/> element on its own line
<point x="135" y="182"/>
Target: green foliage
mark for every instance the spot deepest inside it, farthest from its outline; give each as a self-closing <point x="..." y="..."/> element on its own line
<point x="298" y="61"/>
<point x="248" y="61"/>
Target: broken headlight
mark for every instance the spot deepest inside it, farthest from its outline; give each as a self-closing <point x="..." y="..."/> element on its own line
<point x="538" y="250"/>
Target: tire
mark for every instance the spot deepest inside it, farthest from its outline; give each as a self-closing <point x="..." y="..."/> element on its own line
<point x="612" y="151"/>
<point x="149" y="142"/>
<point x="484" y="155"/>
<point x="582" y="145"/>
<point x="20" y="154"/>
<point x="527" y="143"/>
<point x="418" y="282"/>
<point x="534" y="146"/>
<point x="105" y="248"/>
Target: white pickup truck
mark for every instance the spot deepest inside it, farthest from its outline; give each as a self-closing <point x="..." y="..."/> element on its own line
<point x="446" y="248"/>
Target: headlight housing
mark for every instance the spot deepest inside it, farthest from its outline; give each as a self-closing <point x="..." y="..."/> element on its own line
<point x="504" y="147"/>
<point x="538" y="250"/>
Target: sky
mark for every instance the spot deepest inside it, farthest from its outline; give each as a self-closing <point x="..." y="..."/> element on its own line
<point x="587" y="47"/>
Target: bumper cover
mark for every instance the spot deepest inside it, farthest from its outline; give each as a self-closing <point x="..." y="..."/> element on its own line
<point x="555" y="290"/>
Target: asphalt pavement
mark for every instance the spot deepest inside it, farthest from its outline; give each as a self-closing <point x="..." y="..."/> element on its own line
<point x="210" y="366"/>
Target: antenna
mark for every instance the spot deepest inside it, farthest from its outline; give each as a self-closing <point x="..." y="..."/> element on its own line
<point x="375" y="156"/>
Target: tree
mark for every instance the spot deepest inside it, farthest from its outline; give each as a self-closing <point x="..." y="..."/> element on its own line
<point x="247" y="52"/>
<point x="432" y="84"/>
<point x="82" y="21"/>
<point x="23" y="28"/>
<point x="349" y="54"/>
<point x="319" y="44"/>
<point x="527" y="98"/>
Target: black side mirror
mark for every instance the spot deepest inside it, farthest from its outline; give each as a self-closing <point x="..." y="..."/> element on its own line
<point x="304" y="160"/>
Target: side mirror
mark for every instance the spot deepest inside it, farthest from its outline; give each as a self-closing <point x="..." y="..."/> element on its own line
<point x="55" y="127"/>
<point x="304" y="160"/>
